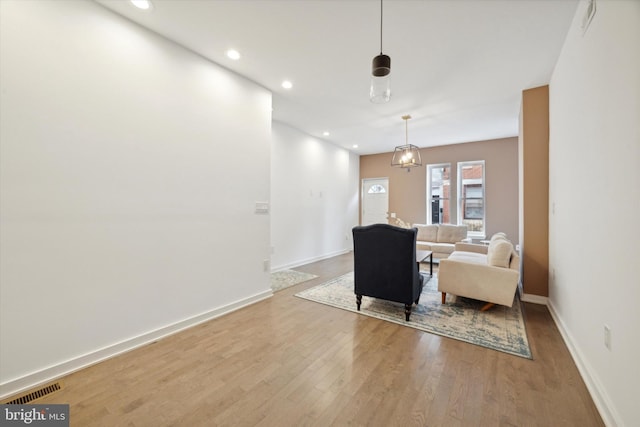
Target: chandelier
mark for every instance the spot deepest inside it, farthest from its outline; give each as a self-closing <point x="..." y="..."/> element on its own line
<point x="408" y="155"/>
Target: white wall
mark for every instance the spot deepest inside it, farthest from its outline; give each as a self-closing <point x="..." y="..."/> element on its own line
<point x="595" y="201"/>
<point x="314" y="198"/>
<point x="125" y="213"/>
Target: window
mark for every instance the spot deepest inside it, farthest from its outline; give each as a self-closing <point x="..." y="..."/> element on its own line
<point x="438" y="194"/>
<point x="471" y="196"/>
<point x="376" y="188"/>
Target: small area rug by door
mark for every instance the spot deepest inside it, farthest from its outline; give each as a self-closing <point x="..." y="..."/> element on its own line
<point x="285" y="278"/>
<point x="500" y="328"/>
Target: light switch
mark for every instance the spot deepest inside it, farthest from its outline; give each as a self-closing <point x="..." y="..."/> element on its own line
<point x="262" y="207"/>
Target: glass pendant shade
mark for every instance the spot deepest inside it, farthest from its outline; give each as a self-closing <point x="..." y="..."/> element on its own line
<point x="380" y="80"/>
<point x="380" y="91"/>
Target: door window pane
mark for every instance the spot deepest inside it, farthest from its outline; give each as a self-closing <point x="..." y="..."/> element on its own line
<point x="376" y="188"/>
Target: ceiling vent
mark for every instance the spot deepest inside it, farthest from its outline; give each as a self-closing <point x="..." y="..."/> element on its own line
<point x="588" y="15"/>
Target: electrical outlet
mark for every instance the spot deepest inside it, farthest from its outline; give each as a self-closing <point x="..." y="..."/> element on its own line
<point x="607" y="337"/>
<point x="265" y="265"/>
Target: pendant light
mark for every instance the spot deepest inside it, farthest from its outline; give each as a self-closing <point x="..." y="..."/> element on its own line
<point x="408" y="155"/>
<point x="380" y="91"/>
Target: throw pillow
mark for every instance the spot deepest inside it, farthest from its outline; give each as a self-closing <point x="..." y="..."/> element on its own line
<point x="499" y="253"/>
<point x="451" y="233"/>
<point x="499" y="235"/>
<point x="427" y="233"/>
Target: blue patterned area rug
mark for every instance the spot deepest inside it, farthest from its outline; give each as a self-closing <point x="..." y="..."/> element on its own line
<point x="499" y="328"/>
<point x="285" y="278"/>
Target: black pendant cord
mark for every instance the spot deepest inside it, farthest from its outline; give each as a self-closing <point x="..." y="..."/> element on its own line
<point x="380" y="27"/>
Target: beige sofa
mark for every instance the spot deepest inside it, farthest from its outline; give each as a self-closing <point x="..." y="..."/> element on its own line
<point x="440" y="239"/>
<point x="486" y="273"/>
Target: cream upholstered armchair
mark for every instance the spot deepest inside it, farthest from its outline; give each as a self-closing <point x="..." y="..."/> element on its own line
<point x="486" y="273"/>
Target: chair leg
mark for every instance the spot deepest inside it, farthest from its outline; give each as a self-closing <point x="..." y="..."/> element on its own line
<point x="444" y="297"/>
<point x="358" y="301"/>
<point x="487" y="306"/>
<point x="407" y="311"/>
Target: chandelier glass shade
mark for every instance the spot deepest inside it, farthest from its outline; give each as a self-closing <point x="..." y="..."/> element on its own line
<point x="408" y="155"/>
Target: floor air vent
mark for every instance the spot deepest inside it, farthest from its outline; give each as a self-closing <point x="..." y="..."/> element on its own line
<point x="37" y="394"/>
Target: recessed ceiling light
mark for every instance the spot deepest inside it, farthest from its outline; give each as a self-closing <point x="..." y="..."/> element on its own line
<point x="233" y="54"/>
<point x="355" y="145"/>
<point x="141" y="4"/>
<point x="287" y="84"/>
<point x="326" y="133"/>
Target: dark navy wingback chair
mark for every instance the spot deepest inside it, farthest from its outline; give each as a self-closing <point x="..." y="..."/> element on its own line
<point x="385" y="267"/>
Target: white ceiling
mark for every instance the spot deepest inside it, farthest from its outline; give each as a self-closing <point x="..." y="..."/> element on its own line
<point x="457" y="66"/>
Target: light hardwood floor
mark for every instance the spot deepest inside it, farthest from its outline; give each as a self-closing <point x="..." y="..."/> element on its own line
<point x="291" y="362"/>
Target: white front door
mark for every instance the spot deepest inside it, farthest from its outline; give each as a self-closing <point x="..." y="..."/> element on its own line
<point x="375" y="201"/>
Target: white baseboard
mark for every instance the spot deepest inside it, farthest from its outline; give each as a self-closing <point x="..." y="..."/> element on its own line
<point x="309" y="260"/>
<point x="535" y="299"/>
<point x="52" y="373"/>
<point x="599" y="396"/>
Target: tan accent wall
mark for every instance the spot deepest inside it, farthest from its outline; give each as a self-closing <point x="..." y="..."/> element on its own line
<point x="408" y="190"/>
<point x="534" y="182"/>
